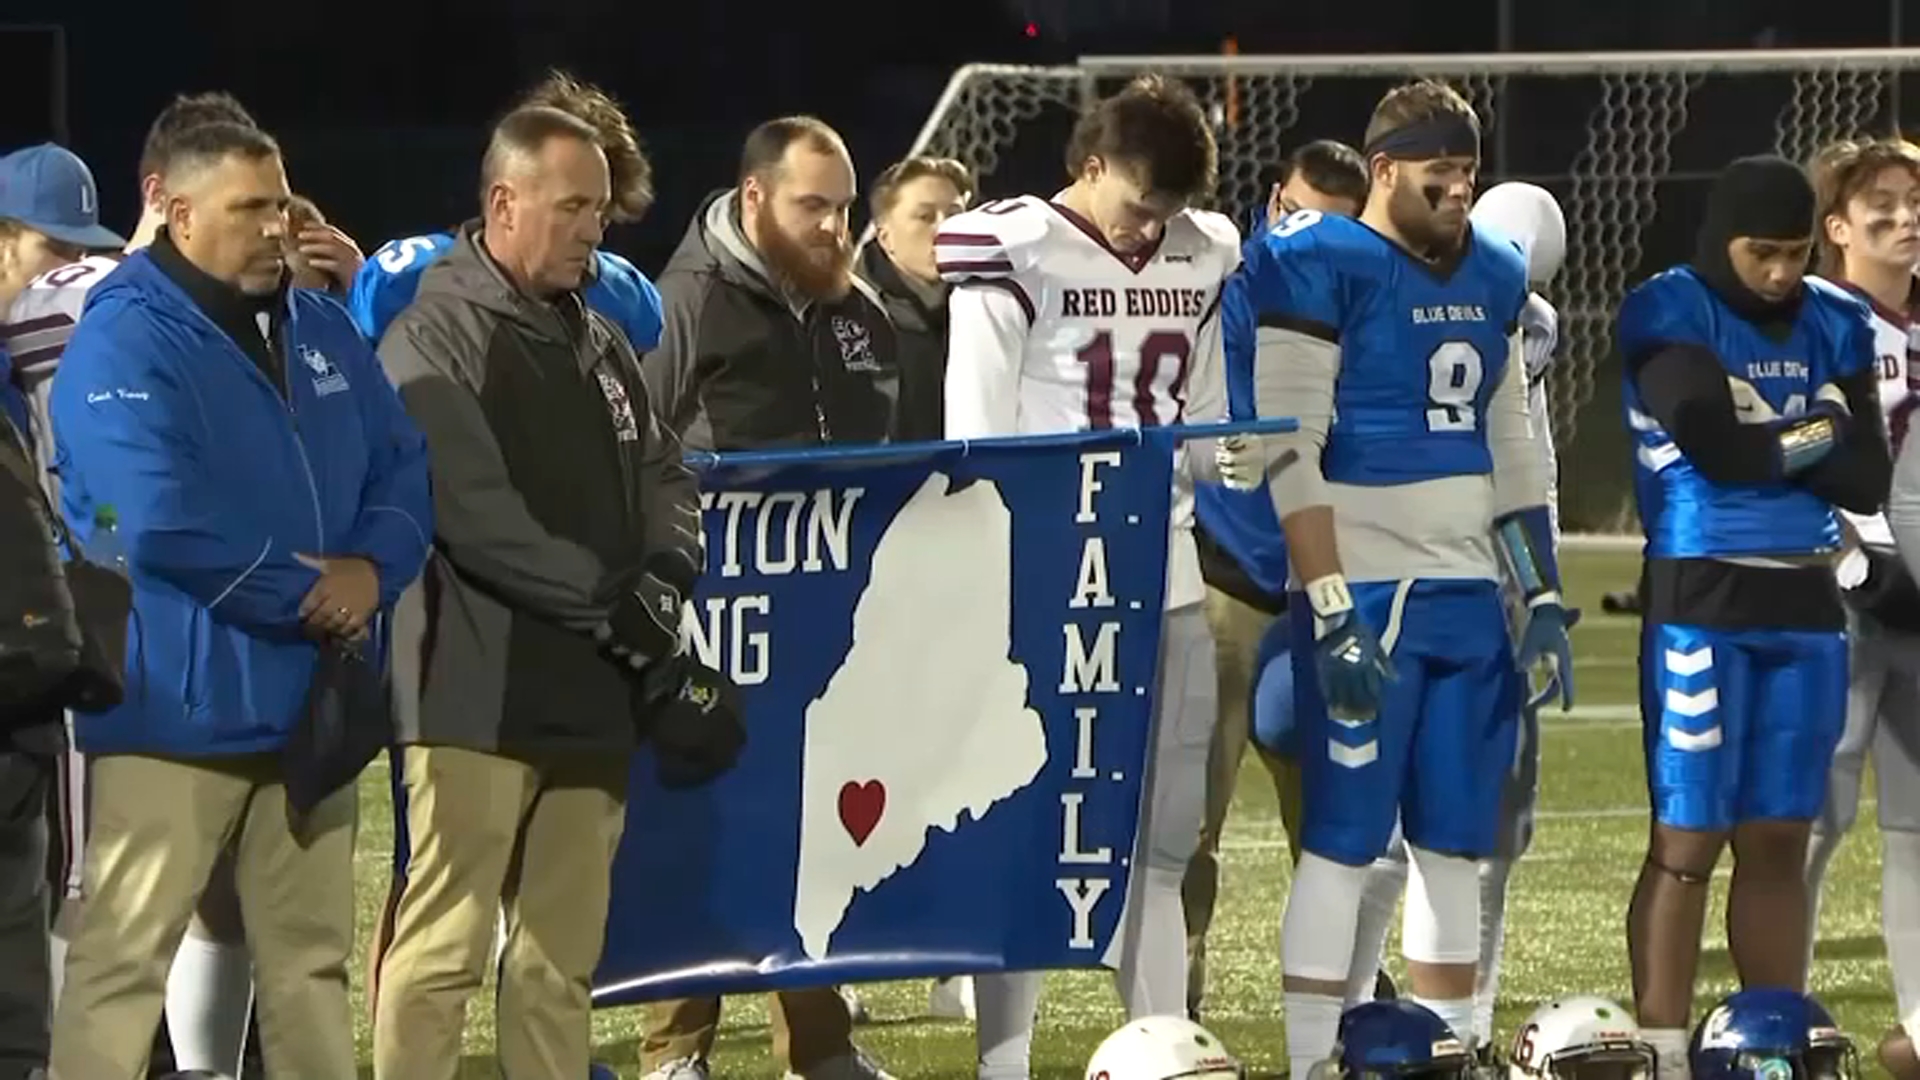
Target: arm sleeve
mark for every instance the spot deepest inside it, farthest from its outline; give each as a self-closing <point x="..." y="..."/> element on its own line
<point x="394" y="529"/>
<point x="1293" y="297"/>
<point x="986" y="341"/>
<point x="1294" y="375"/>
<point x="1685" y="390"/>
<point x="131" y="437"/>
<point x="1520" y="460"/>
<point x="480" y="520"/>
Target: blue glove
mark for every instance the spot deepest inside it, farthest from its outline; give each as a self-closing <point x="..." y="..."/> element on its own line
<point x="1352" y="667"/>
<point x="1545" y="638"/>
<point x="1555" y="686"/>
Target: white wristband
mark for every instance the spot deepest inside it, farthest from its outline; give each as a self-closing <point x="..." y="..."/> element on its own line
<point x="1328" y="596"/>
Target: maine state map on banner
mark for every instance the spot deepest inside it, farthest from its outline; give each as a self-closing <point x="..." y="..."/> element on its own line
<point x="947" y="658"/>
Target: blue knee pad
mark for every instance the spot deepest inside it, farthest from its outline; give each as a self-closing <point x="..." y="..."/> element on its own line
<point x="1274" y="729"/>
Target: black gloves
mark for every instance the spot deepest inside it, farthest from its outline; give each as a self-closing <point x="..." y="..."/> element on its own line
<point x="644" y="624"/>
<point x="692" y="714"/>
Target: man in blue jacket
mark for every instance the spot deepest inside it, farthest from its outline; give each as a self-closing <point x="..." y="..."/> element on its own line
<point x="271" y="500"/>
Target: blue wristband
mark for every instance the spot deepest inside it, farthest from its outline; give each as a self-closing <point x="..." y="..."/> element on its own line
<point x="1526" y="541"/>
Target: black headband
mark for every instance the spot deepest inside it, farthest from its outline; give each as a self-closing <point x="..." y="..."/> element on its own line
<point x="1445" y="134"/>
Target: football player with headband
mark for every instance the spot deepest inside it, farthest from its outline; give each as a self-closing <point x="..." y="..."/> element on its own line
<point x="1394" y="340"/>
<point x="1868" y="198"/>
<point x="1531" y="217"/>
<point x="1752" y="401"/>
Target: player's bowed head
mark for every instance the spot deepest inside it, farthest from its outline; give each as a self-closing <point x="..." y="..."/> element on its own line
<point x="1138" y="158"/>
<point x="1753" y="245"/>
<point x="796" y="186"/>
<point x="1423" y="155"/>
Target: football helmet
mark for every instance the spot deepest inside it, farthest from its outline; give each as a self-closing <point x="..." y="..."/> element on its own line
<point x="1771" y="1034"/>
<point x="1399" y="1039"/>
<point x="1531" y="217"/>
<point x="1584" y="1038"/>
<point x="1163" y="1048"/>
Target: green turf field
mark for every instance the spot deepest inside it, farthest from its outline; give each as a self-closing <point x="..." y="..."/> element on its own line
<point x="1566" y="916"/>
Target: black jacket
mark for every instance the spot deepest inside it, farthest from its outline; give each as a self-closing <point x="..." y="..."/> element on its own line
<point x="552" y="481"/>
<point x="741" y="367"/>
<point x="919" y="313"/>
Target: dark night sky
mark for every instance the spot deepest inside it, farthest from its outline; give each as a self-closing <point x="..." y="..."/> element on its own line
<point x="383" y="106"/>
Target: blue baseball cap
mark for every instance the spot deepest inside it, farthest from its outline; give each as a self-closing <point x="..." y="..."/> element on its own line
<point x="50" y="190"/>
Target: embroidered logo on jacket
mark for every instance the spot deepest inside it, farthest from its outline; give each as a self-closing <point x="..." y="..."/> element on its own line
<point x="856" y="344"/>
<point x="326" y="378"/>
<point x="625" y="427"/>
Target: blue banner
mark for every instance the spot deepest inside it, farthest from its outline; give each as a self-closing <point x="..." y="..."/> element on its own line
<point x="947" y="654"/>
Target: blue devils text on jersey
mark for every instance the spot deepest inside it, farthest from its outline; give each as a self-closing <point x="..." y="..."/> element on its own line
<point x="1687" y="515"/>
<point x="386" y="283"/>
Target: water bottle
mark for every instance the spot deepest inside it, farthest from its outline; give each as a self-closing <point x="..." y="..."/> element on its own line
<point x="104" y="547"/>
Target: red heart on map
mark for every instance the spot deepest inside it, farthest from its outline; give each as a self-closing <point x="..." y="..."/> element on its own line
<point x="860" y="808"/>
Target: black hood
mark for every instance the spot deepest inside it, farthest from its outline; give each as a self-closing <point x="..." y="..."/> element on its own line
<point x="1764" y="198"/>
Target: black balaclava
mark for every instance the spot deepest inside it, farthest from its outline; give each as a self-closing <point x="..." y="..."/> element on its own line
<point x="1765" y="198"/>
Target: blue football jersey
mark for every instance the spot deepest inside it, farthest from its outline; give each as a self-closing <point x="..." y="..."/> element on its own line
<point x="388" y="281"/>
<point x="1422" y="347"/>
<point x="1684" y="514"/>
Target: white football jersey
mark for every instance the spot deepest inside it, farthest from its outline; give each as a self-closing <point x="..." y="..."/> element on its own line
<point x="1051" y="330"/>
<point x="35" y="330"/>
<point x="1896" y="345"/>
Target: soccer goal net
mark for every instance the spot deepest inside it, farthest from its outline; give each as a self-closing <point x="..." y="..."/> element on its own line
<point x="1626" y="141"/>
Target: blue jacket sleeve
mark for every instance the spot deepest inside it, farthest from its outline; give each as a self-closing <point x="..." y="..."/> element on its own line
<point x="131" y="438"/>
<point x="394" y="529"/>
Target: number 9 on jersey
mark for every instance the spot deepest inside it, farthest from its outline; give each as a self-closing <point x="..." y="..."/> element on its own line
<point x="1454" y="372"/>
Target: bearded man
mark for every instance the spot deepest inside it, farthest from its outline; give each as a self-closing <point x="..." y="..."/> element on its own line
<point x="770" y="340"/>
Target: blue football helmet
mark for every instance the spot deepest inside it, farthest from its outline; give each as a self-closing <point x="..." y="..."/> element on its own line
<point x="1771" y="1034"/>
<point x="1398" y="1039"/>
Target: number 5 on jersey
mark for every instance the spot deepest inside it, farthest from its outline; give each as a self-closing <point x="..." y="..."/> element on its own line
<point x="1454" y="372"/>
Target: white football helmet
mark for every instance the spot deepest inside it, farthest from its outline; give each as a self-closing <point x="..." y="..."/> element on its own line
<point x="1529" y="215"/>
<point x="1163" y="1048"/>
<point x="1584" y="1038"/>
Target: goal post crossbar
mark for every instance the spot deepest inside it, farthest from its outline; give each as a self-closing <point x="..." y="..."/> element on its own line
<point x="1494" y="65"/>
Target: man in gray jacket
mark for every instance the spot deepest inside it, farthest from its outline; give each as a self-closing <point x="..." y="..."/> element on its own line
<point x="544" y="637"/>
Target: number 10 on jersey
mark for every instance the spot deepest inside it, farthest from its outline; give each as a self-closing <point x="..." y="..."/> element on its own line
<point x="1454" y="373"/>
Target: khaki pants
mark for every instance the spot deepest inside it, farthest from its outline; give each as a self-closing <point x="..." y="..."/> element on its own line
<point x="158" y="826"/>
<point x="1237" y="630"/>
<point x="809" y="1027"/>
<point x="536" y="837"/>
